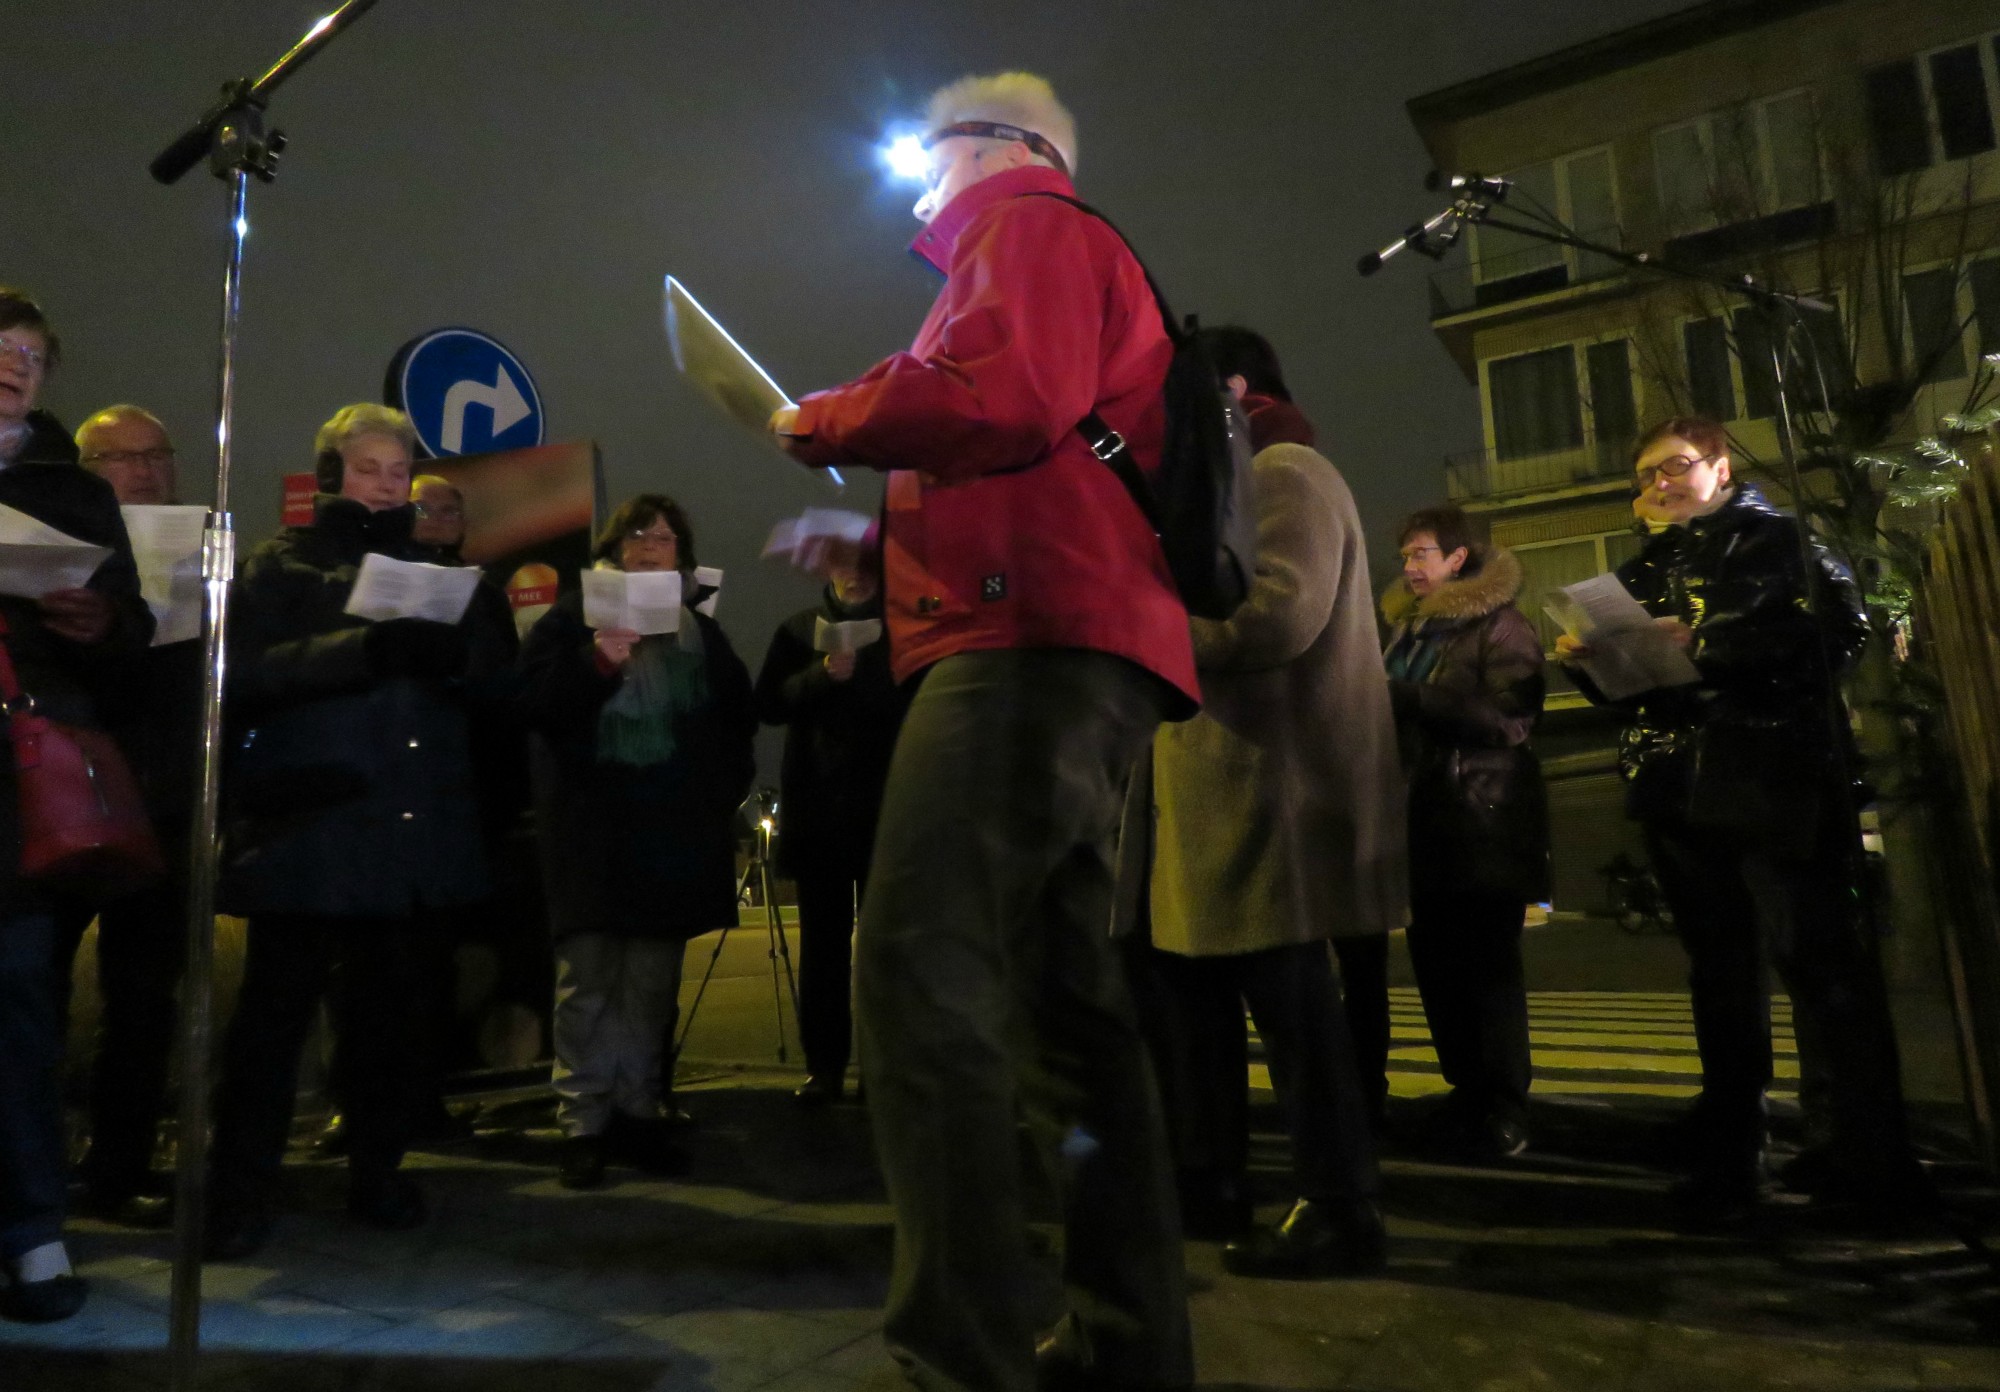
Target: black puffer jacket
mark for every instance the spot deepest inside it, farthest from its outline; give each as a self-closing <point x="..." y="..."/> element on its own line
<point x="75" y="683"/>
<point x="1760" y="723"/>
<point x="350" y="793"/>
<point x="1465" y="669"/>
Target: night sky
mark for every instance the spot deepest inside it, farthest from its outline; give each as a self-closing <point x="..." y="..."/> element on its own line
<point x="533" y="170"/>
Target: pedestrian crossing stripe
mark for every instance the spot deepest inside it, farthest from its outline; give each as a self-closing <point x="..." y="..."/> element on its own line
<point x="1583" y="1043"/>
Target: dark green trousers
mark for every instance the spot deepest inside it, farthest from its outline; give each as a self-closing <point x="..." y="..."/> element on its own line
<point x="990" y="991"/>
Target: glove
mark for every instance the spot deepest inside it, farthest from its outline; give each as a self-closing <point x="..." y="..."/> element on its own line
<point x="420" y="648"/>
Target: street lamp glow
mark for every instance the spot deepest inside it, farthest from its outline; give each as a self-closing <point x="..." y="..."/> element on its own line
<point x="906" y="157"/>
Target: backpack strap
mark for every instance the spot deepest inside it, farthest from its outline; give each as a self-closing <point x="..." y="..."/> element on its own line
<point x="1107" y="444"/>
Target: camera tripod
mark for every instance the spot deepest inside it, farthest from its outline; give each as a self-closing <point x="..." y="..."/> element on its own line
<point x="761" y="874"/>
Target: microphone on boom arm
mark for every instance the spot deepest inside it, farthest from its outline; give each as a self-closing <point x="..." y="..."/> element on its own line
<point x="1472" y="182"/>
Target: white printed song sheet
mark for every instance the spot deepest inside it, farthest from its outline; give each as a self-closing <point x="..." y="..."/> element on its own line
<point x="36" y="559"/>
<point x="847" y="636"/>
<point x="392" y="589"/>
<point x="166" y="543"/>
<point x="1629" y="653"/>
<point x="644" y="601"/>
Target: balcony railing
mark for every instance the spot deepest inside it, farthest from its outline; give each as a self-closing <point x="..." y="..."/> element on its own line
<point x="1516" y="275"/>
<point x="1483" y="474"/>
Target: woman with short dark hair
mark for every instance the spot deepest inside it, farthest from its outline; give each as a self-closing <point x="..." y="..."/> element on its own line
<point x="1465" y="676"/>
<point x="641" y="750"/>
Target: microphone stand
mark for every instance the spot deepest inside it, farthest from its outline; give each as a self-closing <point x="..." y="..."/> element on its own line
<point x="231" y="134"/>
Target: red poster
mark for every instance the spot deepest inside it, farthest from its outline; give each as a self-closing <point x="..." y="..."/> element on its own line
<point x="298" y="505"/>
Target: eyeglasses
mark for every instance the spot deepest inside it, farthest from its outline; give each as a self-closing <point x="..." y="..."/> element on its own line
<point x="1417" y="553"/>
<point x="1674" y="466"/>
<point x="31" y="357"/>
<point x="153" y="457"/>
<point x="441" y="511"/>
<point x="656" y="538"/>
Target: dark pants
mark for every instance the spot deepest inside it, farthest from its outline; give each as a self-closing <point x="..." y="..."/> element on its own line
<point x="1466" y="951"/>
<point x="827" y="899"/>
<point x="289" y="963"/>
<point x="1740" y="911"/>
<point x="141" y="947"/>
<point x="989" y="986"/>
<point x="34" y="1170"/>
<point x="1364" y="991"/>
<point x="1303" y="1026"/>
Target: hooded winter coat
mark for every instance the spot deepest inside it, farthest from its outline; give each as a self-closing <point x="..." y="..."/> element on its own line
<point x="78" y="684"/>
<point x="1279" y="808"/>
<point x="1466" y="675"/>
<point x="634" y="851"/>
<point x="350" y="793"/>
<point x="1751" y="745"/>
<point x="1000" y="528"/>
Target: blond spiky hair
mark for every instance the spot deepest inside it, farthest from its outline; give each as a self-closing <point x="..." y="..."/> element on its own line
<point x="1013" y="98"/>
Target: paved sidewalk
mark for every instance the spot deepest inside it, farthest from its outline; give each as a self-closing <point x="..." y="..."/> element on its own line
<point x="766" y="1271"/>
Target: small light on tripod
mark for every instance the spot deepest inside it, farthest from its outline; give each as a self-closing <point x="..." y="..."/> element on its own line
<point x="765" y="824"/>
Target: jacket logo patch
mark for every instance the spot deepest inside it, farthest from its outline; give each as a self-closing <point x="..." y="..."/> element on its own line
<point x="993" y="587"/>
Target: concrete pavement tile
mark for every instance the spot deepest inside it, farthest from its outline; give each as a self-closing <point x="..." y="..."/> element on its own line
<point x="279" y="1267"/>
<point x="1426" y="1353"/>
<point x="282" y="1323"/>
<point x="1953" y="1370"/>
<point x="495" y="1326"/>
<point x="864" y="1358"/>
<point x="435" y="1279"/>
<point x="1677" y="1357"/>
<point x="640" y="1290"/>
<point x="78" y="1370"/>
<point x="737" y="1348"/>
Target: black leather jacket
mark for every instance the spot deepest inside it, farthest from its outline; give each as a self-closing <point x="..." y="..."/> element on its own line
<point x="1768" y="660"/>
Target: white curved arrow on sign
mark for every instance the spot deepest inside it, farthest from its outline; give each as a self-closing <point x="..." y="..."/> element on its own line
<point x="503" y="398"/>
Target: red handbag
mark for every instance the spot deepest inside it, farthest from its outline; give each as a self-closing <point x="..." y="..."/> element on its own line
<point x="84" y="828"/>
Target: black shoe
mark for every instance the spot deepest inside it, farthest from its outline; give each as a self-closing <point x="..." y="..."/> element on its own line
<point x="129" y="1208"/>
<point x="44" y="1302"/>
<point x="386" y="1199"/>
<point x="1066" y="1362"/>
<point x="236" y="1229"/>
<point x="332" y="1142"/>
<point x="819" y="1090"/>
<point x="1214" y="1208"/>
<point x="646" y="1144"/>
<point x="1312" y="1244"/>
<point x="582" y="1163"/>
<point x="1499" y="1138"/>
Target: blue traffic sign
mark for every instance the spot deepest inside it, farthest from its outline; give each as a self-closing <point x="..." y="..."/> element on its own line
<point x="465" y="394"/>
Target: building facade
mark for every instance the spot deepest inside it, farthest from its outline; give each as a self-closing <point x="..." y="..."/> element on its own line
<point x="1846" y="150"/>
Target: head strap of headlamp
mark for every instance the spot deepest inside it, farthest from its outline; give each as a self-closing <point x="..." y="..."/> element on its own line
<point x="999" y="130"/>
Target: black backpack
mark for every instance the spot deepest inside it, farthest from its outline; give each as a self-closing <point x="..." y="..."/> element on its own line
<point x="1200" y="503"/>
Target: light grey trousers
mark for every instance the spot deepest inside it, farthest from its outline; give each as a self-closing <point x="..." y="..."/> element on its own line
<point x="616" y="1002"/>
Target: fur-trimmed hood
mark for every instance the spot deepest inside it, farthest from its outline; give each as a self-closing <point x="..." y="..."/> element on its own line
<point x="1497" y="582"/>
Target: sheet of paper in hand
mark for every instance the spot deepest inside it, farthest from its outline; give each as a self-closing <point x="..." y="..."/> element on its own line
<point x="36" y="559"/>
<point x="708" y="578"/>
<point x="166" y="543"/>
<point x="390" y="589"/>
<point x="718" y="367"/>
<point x="1629" y="653"/>
<point x="847" y="636"/>
<point x="814" y="524"/>
<point x="644" y="601"/>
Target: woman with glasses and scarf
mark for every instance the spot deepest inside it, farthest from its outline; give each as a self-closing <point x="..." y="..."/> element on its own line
<point x="1744" y="783"/>
<point x="641" y="753"/>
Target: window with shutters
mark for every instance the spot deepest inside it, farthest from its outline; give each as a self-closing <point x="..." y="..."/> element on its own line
<point x="1731" y="361"/>
<point x="1952" y="317"/>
